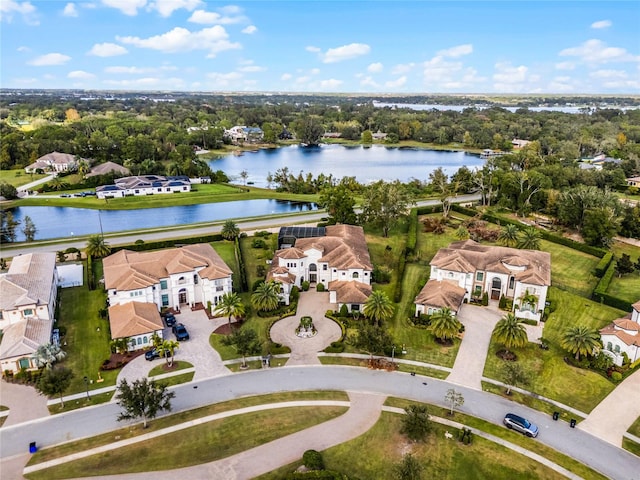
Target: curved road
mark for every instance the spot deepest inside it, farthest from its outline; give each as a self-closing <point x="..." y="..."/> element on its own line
<point x="611" y="461"/>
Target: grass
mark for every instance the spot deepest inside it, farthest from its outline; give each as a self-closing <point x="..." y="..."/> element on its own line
<point x="19" y="177"/>
<point x="565" y="263"/>
<point x="177" y="365"/>
<point x="626" y="287"/>
<point x="358" y="362"/>
<point x="631" y="446"/>
<point x="204" y="443"/>
<point x="635" y="428"/>
<point x="94" y="399"/>
<point x="441" y="458"/>
<point x="226" y="250"/>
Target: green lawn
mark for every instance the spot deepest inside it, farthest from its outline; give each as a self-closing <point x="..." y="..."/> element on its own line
<point x="161" y="369"/>
<point x="635" y="428"/>
<point x="19" y="177"/>
<point x="571" y="270"/>
<point x="226" y="250"/>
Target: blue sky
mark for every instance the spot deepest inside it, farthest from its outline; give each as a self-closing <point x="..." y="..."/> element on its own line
<point x="307" y="46"/>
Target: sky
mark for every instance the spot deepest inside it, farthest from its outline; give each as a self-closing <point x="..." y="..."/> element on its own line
<point x="402" y="47"/>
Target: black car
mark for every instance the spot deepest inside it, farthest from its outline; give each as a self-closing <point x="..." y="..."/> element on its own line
<point x="169" y="319"/>
<point x="180" y="331"/>
<point x="152" y="354"/>
<point x="520" y="424"/>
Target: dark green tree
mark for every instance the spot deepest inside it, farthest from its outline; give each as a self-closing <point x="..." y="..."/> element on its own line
<point x="444" y="325"/>
<point x="142" y="399"/>
<point x="529" y="239"/>
<point x="230" y="230"/>
<point x="29" y="229"/>
<point x="624" y="265"/>
<point x="600" y="226"/>
<point x="230" y="304"/>
<point x="416" y="423"/>
<point x="8" y="191"/>
<point x="309" y="130"/>
<point x="373" y="339"/>
<point x="513" y="375"/>
<point x="580" y="340"/>
<point x="8" y="225"/>
<point x="245" y="341"/>
<point x="379" y="307"/>
<point x="367" y="137"/>
<point x="408" y="469"/>
<point x="266" y="296"/>
<point x="340" y="203"/>
<point x="510" y="332"/>
<point x="97" y="247"/>
<point x="385" y="203"/>
<point x="509" y="235"/>
<point x="55" y="381"/>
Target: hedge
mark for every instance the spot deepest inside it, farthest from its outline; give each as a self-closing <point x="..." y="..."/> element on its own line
<point x="91" y="281"/>
<point x="412" y="234"/>
<point x="605" y="280"/>
<point x="427" y="209"/>
<point x="600" y="292"/>
<point x="244" y="285"/>
<point x="603" y="264"/>
<point x="139" y="247"/>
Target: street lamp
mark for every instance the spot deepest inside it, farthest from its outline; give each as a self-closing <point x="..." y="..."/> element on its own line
<point x="86" y="384"/>
<point x="393" y="353"/>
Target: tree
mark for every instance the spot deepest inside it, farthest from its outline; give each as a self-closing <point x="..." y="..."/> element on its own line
<point x="384" y="203"/>
<point x="367" y="137"/>
<point x="8" y="191"/>
<point x="167" y="349"/>
<point x="97" y="247"/>
<point x="416" y="423"/>
<point x="230" y="304"/>
<point x="378" y="307"/>
<point x="244" y="175"/>
<point x="245" y="341"/>
<point x="340" y="203"/>
<point x="513" y="375"/>
<point x="29" y="229"/>
<point x="600" y="226"/>
<point x="580" y="340"/>
<point x="529" y="239"/>
<point x="266" y="297"/>
<point x="439" y="182"/>
<point x="444" y="325"/>
<point x="230" y="230"/>
<point x="54" y="381"/>
<point x="121" y="345"/>
<point x="373" y="339"/>
<point x="461" y="233"/>
<point x="48" y="354"/>
<point x="8" y="225"/>
<point x="309" y="130"/>
<point x="509" y="235"/>
<point x="142" y="399"/>
<point x="510" y="332"/>
<point x="453" y="399"/>
<point x="408" y="469"/>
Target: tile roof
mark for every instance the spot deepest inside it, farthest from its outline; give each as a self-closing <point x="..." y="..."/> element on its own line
<point x="127" y="270"/>
<point x="343" y="247"/>
<point x="24" y="337"/>
<point x="636" y="306"/>
<point x="134" y="318"/>
<point x="528" y="266"/>
<point x="29" y="281"/>
<point x="627" y="338"/>
<point x="350" y="292"/>
<point x="108" y="167"/>
<point x="441" y="294"/>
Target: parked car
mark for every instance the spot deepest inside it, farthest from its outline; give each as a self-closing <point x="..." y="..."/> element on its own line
<point x="88" y="194"/>
<point x="169" y="319"/>
<point x="65" y="195"/>
<point x="153" y="354"/>
<point x="180" y="331"/>
<point x="520" y="424"/>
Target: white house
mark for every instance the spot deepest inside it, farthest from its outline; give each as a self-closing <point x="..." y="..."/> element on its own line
<point x="439" y="294"/>
<point x="54" y="162"/>
<point x="623" y="336"/>
<point x="516" y="274"/>
<point x="144" y="185"/>
<point x="136" y="322"/>
<point x="337" y="258"/>
<point x="28" y="295"/>
<point x="242" y="133"/>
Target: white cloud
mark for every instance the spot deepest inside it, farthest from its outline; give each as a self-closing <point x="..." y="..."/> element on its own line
<point x="456" y="51"/>
<point x="303" y="79"/>
<point x="375" y="67"/>
<point x="402" y="68"/>
<point x="369" y="82"/>
<point x="315" y="71"/>
<point x="312" y="49"/>
<point x="601" y="24"/>
<point x="128" y="7"/>
<point x="126" y="70"/>
<point x="107" y="50"/>
<point x="561" y="85"/>
<point x="252" y="69"/>
<point x="508" y="79"/>
<point x="608" y="74"/>
<point x="70" y="10"/>
<point x="285" y="77"/>
<point x="565" y="66"/>
<point x="398" y="82"/>
<point x="81" y="74"/>
<point x="345" y="52"/>
<point x="24" y="81"/>
<point x="442" y="74"/>
<point x="223" y="80"/>
<point x="166" y="7"/>
<point x="212" y="18"/>
<point x="214" y="39"/>
<point x="50" y="59"/>
<point x="23" y="49"/>
<point x="595" y="51"/>
<point x="231" y="9"/>
<point x="330" y="84"/>
<point x="250" y="29"/>
<point x="10" y="7"/>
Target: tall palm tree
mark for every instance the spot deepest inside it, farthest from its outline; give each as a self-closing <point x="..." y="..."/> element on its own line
<point x="230" y="305"/>
<point x="166" y="349"/>
<point x="83" y="168"/>
<point x="266" y="296"/>
<point x="97" y="247"/>
<point x="230" y="230"/>
<point x="444" y="324"/>
<point x="529" y="239"/>
<point x="580" y="340"/>
<point x="509" y="235"/>
<point x="510" y="332"/>
<point x="378" y="307"/>
<point x="48" y="354"/>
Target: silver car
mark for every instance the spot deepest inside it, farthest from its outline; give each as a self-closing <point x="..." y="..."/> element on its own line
<point x="522" y="425"/>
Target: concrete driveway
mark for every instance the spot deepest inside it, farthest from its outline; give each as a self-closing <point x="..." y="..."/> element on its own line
<point x="196" y="350"/>
<point x="304" y="350"/>
<point x="478" y="326"/>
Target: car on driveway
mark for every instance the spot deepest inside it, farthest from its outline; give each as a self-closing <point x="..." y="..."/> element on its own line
<point x="520" y="424"/>
<point x="152" y="354"/>
<point x="169" y="319"/>
<point x="180" y="331"/>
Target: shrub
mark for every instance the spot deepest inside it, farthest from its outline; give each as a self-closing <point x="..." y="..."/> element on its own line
<point x="381" y="274"/>
<point x="305" y="286"/>
<point x="262" y="233"/>
<point x="256" y="284"/>
<point x="320" y="287"/>
<point x="344" y="311"/>
<point x="335" y="347"/>
<point x="603" y="264"/>
<point x="528" y="321"/>
<point x="313" y="460"/>
<point x="261" y="270"/>
<point x="616" y="376"/>
<point x="485" y="299"/>
<point x="502" y="304"/>
<point x="295" y="294"/>
<point x="258" y="243"/>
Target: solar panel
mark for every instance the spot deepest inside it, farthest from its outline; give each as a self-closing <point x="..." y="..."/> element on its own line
<point x="288" y="235"/>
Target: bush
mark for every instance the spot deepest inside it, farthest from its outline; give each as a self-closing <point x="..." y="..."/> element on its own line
<point x="616" y="376"/>
<point x="335" y="347"/>
<point x="381" y="274"/>
<point x="305" y="286"/>
<point x="262" y="233"/>
<point x="258" y="243"/>
<point x="344" y="311"/>
<point x="603" y="264"/>
<point x="502" y="304"/>
<point x="256" y="284"/>
<point x="261" y="270"/>
<point x="528" y="321"/>
<point x="485" y="299"/>
<point x="294" y="296"/>
<point x="313" y="460"/>
<point x="320" y="287"/>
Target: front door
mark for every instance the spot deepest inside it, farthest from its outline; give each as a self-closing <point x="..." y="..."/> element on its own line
<point x="182" y="297"/>
<point x="496" y="288"/>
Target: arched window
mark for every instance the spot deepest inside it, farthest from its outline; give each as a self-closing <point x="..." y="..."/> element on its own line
<point x="145" y="340"/>
<point x="617" y="349"/>
<point x="609" y="347"/>
<point x="139" y="341"/>
<point x="355" y="275"/>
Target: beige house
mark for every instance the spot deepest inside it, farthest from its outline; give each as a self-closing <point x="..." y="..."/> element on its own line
<point x="623" y="336"/>
<point x="498" y="271"/>
<point x="28" y="295"/>
<point x="338" y="258"/>
<point x="108" y="167"/>
<point x="633" y="182"/>
<point x="54" y="162"/>
<point x="136" y="322"/>
<point x="439" y="294"/>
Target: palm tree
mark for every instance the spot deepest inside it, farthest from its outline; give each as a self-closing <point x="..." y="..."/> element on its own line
<point x="580" y="339"/>
<point x="266" y="296"/>
<point x="509" y="235"/>
<point x="230" y="305"/>
<point x="510" y="332"/>
<point x="97" y="247"/>
<point x="230" y="230"/>
<point x="529" y="299"/>
<point x="378" y="307"/>
<point x="444" y="324"/>
<point x="48" y="354"/>
<point x="529" y="239"/>
<point x="166" y="349"/>
<point x="83" y="168"/>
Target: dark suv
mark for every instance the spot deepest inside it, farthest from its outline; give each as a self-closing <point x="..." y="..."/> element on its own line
<point x="520" y="424"/>
<point x="180" y="331"/>
<point x="152" y="354"/>
<point x="169" y="319"/>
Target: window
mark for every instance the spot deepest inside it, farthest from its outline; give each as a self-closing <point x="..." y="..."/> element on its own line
<point x="145" y="340"/>
<point x="324" y="267"/>
<point x="139" y="341"/>
<point x="165" y="300"/>
<point x="512" y="281"/>
<point x="355" y="275"/>
<point x="477" y="291"/>
<point x="195" y="279"/>
<point x="617" y="349"/>
<point x="181" y="280"/>
<point x="609" y="346"/>
<point x="24" y="363"/>
<point x="27" y="312"/>
<point x="479" y="276"/>
<point x="355" y="307"/>
<point x="163" y="284"/>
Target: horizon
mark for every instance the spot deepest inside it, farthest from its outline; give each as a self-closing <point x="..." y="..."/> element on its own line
<point x="313" y="47"/>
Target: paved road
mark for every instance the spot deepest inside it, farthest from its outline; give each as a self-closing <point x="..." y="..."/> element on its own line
<point x="611" y="461"/>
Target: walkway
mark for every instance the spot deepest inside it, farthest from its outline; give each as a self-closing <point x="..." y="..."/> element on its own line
<point x="24" y="403"/>
<point x="304" y="351"/>
<point x="478" y="326"/>
<point x="35" y="183"/>
<point x="613" y="416"/>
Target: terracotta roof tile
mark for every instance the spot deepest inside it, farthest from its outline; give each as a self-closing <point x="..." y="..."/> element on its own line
<point x="441" y="294"/>
<point x="350" y="292"/>
<point x="134" y="318"/>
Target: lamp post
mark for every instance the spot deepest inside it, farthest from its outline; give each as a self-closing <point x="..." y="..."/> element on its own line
<point x="393" y="353"/>
<point x="86" y="384"/>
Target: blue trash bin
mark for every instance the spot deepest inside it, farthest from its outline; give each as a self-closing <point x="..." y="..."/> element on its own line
<point x="32" y="447"/>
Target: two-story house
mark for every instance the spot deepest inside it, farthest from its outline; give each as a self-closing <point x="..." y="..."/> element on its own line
<point x="170" y="278"/>
<point x="338" y="258"/>
<point x="521" y="275"/>
<point x="54" y="162"/>
<point x="623" y="336"/>
<point x="28" y="295"/>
